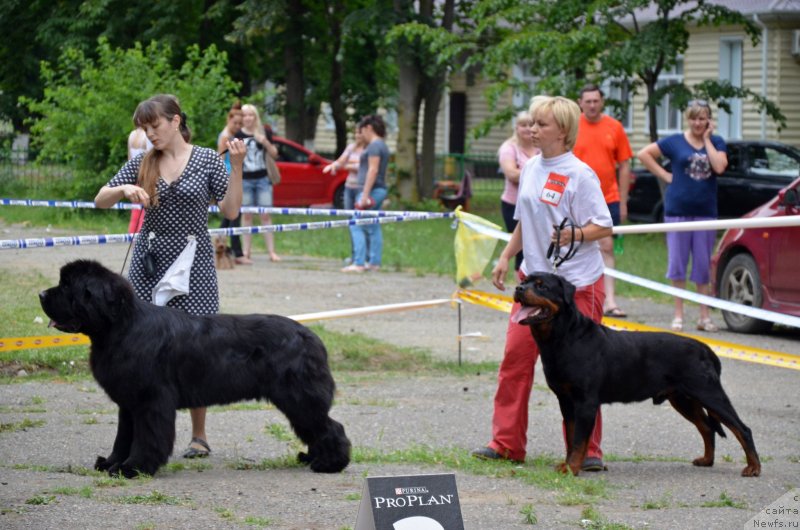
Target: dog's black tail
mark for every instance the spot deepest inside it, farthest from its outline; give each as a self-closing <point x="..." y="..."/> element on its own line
<point x="715" y="425"/>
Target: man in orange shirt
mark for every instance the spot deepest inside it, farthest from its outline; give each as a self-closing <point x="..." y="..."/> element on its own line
<point x="603" y="145"/>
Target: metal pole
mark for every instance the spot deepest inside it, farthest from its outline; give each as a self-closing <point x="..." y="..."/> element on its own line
<point x="459" y="334"/>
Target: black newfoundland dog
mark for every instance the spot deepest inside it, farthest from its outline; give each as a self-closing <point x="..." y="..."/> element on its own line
<point x="153" y="360"/>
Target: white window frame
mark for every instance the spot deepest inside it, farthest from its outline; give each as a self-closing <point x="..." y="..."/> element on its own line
<point x="731" y="62"/>
<point x="522" y="72"/>
<point x="668" y="77"/>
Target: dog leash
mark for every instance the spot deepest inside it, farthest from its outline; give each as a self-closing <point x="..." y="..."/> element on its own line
<point x="554" y="250"/>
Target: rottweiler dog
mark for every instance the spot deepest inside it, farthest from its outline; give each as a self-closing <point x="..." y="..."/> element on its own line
<point x="586" y="364"/>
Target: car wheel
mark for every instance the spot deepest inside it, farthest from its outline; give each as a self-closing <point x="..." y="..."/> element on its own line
<point x="741" y="283"/>
<point x="338" y="198"/>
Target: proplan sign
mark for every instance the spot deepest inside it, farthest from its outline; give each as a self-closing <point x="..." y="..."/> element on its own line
<point x="414" y="502"/>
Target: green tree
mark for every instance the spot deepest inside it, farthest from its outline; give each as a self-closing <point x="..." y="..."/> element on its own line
<point x="39" y="30"/>
<point x="84" y="118"/>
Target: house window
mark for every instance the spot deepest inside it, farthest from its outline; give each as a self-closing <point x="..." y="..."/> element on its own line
<point x="522" y="97"/>
<point x="618" y="101"/>
<point x="668" y="115"/>
<point x="729" y="125"/>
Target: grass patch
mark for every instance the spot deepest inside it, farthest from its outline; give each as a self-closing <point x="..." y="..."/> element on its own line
<point x="529" y="514"/>
<point x="40" y="500"/>
<point x="154" y="498"/>
<point x="658" y="504"/>
<point x="196" y="465"/>
<point x="537" y="472"/>
<point x="725" y="501"/>
<point x="85" y="491"/>
<point x="252" y="520"/>
<point x="243" y="406"/>
<point x="638" y="458"/>
<point x="280" y="432"/>
<point x="23" y="425"/>
<point x="592" y="519"/>
<point x="73" y="470"/>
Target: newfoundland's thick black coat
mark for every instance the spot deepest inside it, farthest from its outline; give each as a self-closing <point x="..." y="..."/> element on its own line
<point x="586" y="364"/>
<point x="153" y="360"/>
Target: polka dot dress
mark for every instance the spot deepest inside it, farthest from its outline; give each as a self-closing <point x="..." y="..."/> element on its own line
<point x="182" y="211"/>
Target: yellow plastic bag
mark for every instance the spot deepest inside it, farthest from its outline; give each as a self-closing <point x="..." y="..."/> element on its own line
<point x="473" y="249"/>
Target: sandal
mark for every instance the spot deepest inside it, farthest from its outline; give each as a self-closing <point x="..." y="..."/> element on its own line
<point x="677" y="324"/>
<point x="354" y="268"/>
<point x="705" y="324"/>
<point x="197" y="452"/>
<point x="615" y="312"/>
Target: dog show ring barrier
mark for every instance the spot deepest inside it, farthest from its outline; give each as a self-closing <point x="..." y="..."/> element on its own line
<point x="494" y="301"/>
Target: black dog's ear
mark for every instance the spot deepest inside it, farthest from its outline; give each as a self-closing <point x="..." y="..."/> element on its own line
<point x="568" y="289"/>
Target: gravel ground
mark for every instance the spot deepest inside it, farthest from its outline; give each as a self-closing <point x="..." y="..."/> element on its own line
<point x="648" y="448"/>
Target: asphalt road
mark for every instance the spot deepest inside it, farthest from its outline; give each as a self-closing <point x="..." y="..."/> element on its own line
<point x="57" y="429"/>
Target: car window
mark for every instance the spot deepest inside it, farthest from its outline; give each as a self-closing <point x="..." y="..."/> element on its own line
<point x="287" y="153"/>
<point x="734" y="158"/>
<point x="773" y="162"/>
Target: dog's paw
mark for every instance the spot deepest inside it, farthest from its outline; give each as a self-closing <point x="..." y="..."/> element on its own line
<point x="127" y="471"/>
<point x="304" y="458"/>
<point x="752" y="471"/>
<point x="703" y="461"/>
<point x="103" y="464"/>
<point x="562" y="468"/>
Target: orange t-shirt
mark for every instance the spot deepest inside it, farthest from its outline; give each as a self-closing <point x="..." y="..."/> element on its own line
<point x="602" y="145"/>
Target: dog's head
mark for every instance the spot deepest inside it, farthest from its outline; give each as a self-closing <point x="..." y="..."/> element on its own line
<point x="88" y="299"/>
<point x="542" y="296"/>
<point x="220" y="246"/>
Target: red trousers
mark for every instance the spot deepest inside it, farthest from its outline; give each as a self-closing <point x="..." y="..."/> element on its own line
<point x="515" y="380"/>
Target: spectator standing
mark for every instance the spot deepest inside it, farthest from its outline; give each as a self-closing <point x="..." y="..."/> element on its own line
<point x="554" y="185"/>
<point x="232" y="126"/>
<point x="603" y="145"/>
<point x="176" y="181"/>
<point x="349" y="160"/>
<point x="512" y="156"/>
<point x="372" y="181"/>
<point x="256" y="185"/>
<point x="138" y="143"/>
<point x="697" y="156"/>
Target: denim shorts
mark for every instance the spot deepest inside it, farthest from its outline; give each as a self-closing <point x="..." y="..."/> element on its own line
<point x="257" y="192"/>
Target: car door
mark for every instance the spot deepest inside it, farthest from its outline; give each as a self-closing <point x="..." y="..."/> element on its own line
<point x="302" y="182"/>
<point x="784" y="245"/>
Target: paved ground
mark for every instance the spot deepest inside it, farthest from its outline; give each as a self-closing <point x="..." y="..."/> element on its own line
<point x="648" y="447"/>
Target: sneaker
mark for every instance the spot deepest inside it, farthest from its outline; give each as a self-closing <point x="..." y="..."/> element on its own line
<point x="593" y="464"/>
<point x="487" y="453"/>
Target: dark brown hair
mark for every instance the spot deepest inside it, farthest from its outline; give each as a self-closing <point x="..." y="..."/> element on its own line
<point x="236" y="108"/>
<point x="591" y="88"/>
<point x="374" y="121"/>
<point x="147" y="113"/>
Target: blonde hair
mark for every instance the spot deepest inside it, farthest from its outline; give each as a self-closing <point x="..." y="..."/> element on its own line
<point x="566" y="114"/>
<point x="695" y="108"/>
<point x="258" y="128"/>
<point x="521" y="115"/>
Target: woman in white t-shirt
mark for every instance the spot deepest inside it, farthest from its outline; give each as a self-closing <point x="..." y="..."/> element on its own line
<point x="553" y="185"/>
<point x="512" y="156"/>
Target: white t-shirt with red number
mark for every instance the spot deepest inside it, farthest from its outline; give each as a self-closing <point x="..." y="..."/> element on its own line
<point x="550" y="190"/>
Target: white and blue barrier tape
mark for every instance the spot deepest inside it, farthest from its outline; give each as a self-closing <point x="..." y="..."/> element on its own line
<point x="333" y="212"/>
<point x="757" y="222"/>
<point x="66" y="241"/>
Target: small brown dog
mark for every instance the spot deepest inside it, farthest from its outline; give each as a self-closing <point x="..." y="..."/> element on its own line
<point x="222" y="254"/>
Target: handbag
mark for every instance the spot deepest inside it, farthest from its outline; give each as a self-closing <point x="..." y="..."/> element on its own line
<point x="273" y="172"/>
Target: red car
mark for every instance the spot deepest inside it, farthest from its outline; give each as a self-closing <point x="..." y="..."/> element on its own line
<point x="302" y="181"/>
<point x="758" y="266"/>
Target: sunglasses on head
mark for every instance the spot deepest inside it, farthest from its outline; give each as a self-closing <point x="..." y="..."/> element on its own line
<point x="698" y="103"/>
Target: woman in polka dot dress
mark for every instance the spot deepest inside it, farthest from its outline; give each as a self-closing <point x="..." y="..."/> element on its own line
<point x="175" y="182"/>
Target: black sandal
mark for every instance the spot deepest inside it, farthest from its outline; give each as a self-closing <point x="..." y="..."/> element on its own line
<point x="194" y="452"/>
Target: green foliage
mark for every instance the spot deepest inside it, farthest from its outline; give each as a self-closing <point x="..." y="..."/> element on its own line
<point x="569" y="43"/>
<point x="84" y="117"/>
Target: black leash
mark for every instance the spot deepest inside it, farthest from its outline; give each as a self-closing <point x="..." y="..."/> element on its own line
<point x="554" y="250"/>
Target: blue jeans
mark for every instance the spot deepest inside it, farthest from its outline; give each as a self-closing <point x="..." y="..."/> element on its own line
<point x="360" y="234"/>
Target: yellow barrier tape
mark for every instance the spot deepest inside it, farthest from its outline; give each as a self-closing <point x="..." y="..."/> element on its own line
<point x="729" y="350"/>
<point x="48" y="341"/>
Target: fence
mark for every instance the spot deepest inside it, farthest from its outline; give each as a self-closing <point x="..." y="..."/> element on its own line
<point x="19" y="169"/>
<point x="485" y="169"/>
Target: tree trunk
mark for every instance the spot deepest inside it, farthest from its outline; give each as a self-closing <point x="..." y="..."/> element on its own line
<point x="338" y="110"/>
<point x="650" y="85"/>
<point x="294" y="112"/>
<point x="405" y="159"/>
<point x="433" y="92"/>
